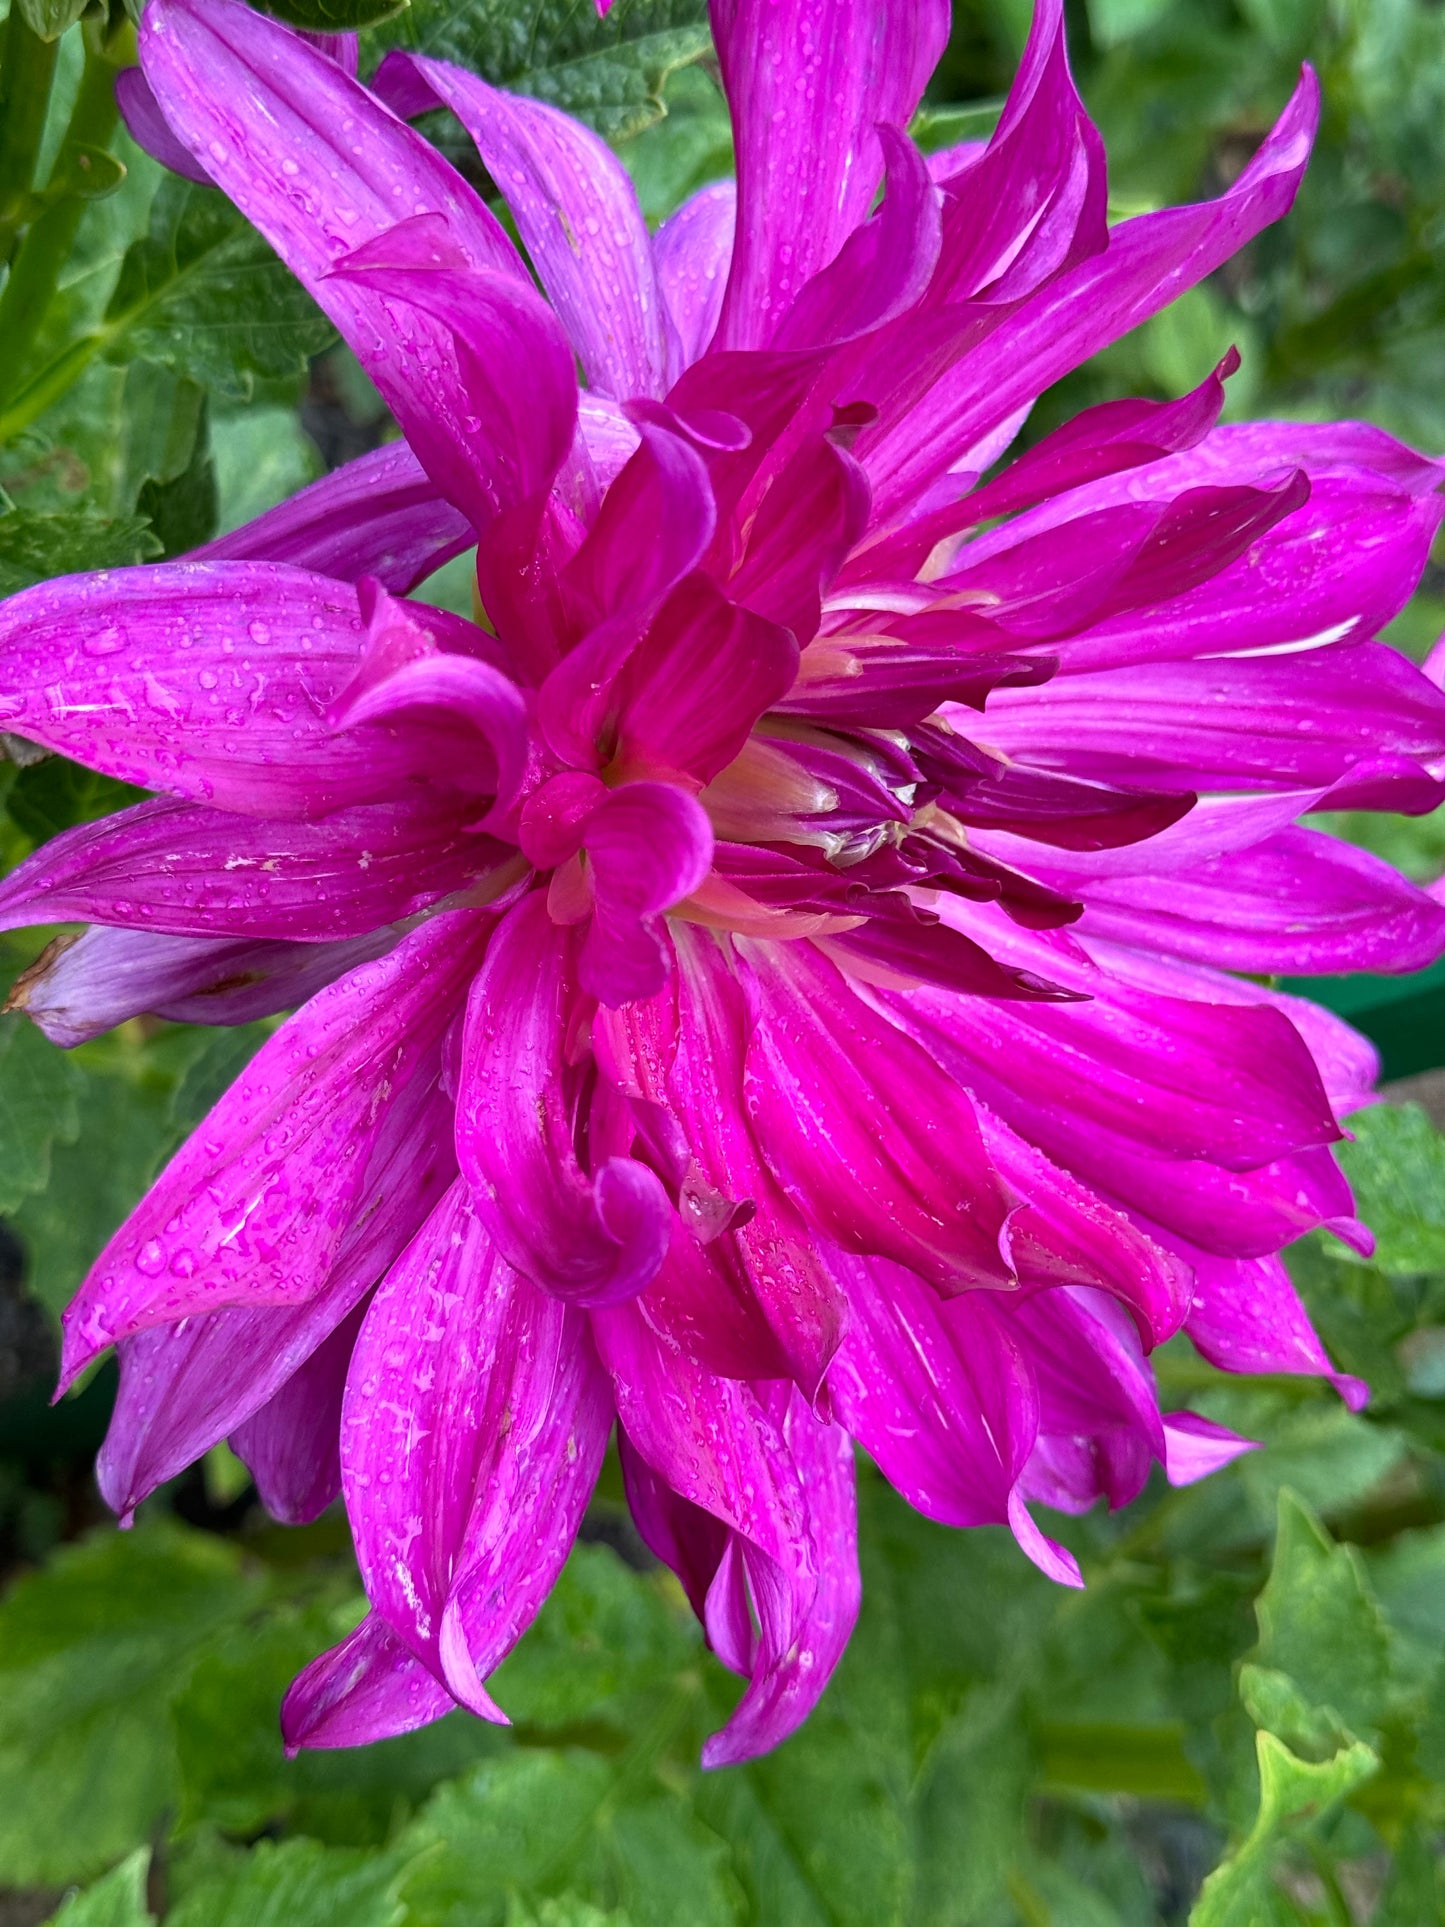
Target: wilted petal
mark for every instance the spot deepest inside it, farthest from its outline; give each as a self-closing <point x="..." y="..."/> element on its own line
<point x="79" y="987"/>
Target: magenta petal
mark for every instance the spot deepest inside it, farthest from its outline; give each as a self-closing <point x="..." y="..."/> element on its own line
<point x="1147" y="262"/>
<point x="878" y="1146"/>
<point x="209" y="680"/>
<point x="82" y="986"/>
<point x="380" y="515"/>
<point x="184" y="1386"/>
<point x="693" y="250"/>
<point x="576" y="211"/>
<point x="808" y="83"/>
<point x="254" y="1207"/>
<point x="149" y="128"/>
<point x="493" y="419"/>
<point x="474" y="1425"/>
<point x="1248" y="1317"/>
<point x="1298" y="902"/>
<point x="781" y="1483"/>
<point x="649" y="845"/>
<point x="589" y="1238"/>
<point x="883" y="266"/>
<point x="321" y="167"/>
<point x="291" y="1444"/>
<point x="188" y="871"/>
<point x="369" y="1687"/>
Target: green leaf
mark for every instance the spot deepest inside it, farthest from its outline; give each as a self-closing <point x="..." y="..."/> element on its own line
<point x="293" y="1883"/>
<point x="39" y="1108"/>
<point x="203" y="295"/>
<point x="608" y="72"/>
<point x="539" y="1821"/>
<point x="1396" y="1166"/>
<point x="119" y="1900"/>
<point x="34" y="546"/>
<point x="1111" y="21"/>
<point x="334" y="16"/>
<point x="91" y="1648"/>
<point x="1294" y="1795"/>
<point x="50" y="18"/>
<point x="1319" y="1621"/>
<point x="55" y="794"/>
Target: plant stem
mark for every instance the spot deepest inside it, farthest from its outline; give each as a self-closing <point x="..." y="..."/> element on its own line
<point x="36" y="269"/>
<point x="25" y="79"/>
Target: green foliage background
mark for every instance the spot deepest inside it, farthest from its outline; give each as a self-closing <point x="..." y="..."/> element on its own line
<point x="1242" y="1721"/>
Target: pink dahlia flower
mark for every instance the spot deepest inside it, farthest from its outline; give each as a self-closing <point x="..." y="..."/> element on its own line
<point x="792" y="972"/>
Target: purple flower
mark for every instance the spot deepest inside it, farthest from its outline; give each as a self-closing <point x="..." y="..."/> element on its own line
<point x="769" y="983"/>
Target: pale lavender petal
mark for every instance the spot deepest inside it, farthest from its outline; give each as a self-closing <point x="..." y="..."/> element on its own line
<point x="576" y="211"/>
<point x="380" y="515"/>
<point x="1195" y="1447"/>
<point x="254" y="1208"/>
<point x="808" y="83"/>
<point x="82" y="986"/>
<point x="692" y="251"/>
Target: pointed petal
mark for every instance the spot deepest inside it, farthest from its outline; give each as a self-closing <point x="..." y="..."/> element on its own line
<point x="576" y="211"/>
<point x="184" y="1386"/>
<point x="1196" y="1446"/>
<point x="1009" y="358"/>
<point x="81" y="986"/>
<point x="693" y="250"/>
<point x="207" y="680"/>
<point x="253" y="1209"/>
<point x="808" y="84"/>
<point x="588" y="1238"/>
<point x="1248" y="1317"/>
<point x="369" y="1687"/>
<point x="187" y="871"/>
<point x="473" y="1428"/>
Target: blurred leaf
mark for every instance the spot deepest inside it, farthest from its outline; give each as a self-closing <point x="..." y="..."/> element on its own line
<point x="609" y="72"/>
<point x="261" y="456"/>
<point x="334" y="16"/>
<point x="203" y="295"/>
<point x="50" y="18"/>
<point x="1397" y="1169"/>
<point x="1111" y="21"/>
<point x="1294" y="1795"/>
<point x="119" y="1900"/>
<point x="35" y="546"/>
<point x="182" y="508"/>
<point x="297" y="1883"/>
<point x="89" y="1650"/>
<point x="1320" y="1623"/>
<point x="39" y="1108"/>
<point x="56" y="794"/>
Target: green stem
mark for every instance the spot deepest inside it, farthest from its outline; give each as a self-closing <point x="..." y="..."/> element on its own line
<point x="25" y="79"/>
<point x="36" y="269"/>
